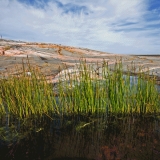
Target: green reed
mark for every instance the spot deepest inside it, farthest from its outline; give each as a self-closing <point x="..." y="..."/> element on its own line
<point x="106" y="91"/>
<point x="93" y="89"/>
<point x="26" y="94"/>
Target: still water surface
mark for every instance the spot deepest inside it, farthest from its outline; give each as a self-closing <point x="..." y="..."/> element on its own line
<point x="80" y="137"/>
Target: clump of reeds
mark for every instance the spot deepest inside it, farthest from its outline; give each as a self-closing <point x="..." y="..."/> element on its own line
<point x="26" y="94"/>
<point x="91" y="90"/>
<point x="106" y="91"/>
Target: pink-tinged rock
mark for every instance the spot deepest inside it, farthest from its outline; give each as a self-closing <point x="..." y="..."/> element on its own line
<point x="2" y="51"/>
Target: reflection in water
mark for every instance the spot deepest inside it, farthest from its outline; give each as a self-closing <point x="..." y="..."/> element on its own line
<point x="82" y="138"/>
<point x="134" y="81"/>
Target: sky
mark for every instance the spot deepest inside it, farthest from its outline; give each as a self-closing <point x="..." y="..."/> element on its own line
<point x="115" y="26"/>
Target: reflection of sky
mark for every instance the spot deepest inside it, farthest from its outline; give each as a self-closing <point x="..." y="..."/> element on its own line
<point x="134" y="81"/>
<point x="158" y="88"/>
<point x="117" y="27"/>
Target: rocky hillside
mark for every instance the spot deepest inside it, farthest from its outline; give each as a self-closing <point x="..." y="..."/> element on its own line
<point x="51" y="58"/>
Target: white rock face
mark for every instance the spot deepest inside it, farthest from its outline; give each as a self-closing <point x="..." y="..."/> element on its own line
<point x="74" y="74"/>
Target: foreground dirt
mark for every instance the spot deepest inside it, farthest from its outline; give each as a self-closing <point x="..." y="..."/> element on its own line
<point x="52" y="58"/>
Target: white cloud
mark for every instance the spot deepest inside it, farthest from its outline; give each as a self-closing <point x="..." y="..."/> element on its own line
<point x="111" y="26"/>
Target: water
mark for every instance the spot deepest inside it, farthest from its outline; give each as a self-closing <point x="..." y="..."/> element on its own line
<point x="102" y="139"/>
<point x="134" y="81"/>
<point x="81" y="137"/>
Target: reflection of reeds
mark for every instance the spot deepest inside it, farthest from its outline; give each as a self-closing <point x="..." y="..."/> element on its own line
<point x="88" y="92"/>
<point x="125" y="138"/>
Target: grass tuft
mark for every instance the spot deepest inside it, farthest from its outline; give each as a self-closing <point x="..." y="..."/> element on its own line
<point x="90" y="90"/>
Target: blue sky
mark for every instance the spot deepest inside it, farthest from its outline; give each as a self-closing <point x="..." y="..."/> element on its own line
<point x="115" y="26"/>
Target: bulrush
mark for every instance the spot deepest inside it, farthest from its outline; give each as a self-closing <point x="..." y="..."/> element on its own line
<point x="80" y="90"/>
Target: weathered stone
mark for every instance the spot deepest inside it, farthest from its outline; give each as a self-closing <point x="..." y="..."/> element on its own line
<point x="52" y="58"/>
